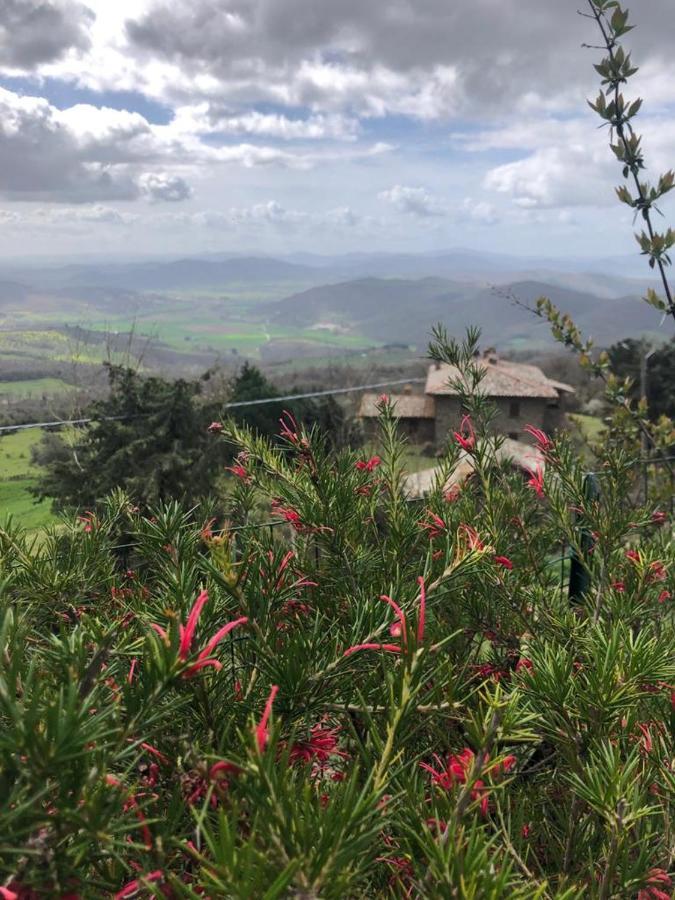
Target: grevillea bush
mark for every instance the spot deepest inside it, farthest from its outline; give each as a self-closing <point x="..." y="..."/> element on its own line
<point x="369" y="697"/>
<point x="341" y="692"/>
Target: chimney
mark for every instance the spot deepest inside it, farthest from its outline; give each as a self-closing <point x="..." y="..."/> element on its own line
<point x="491" y="355"/>
<point x="407" y="389"/>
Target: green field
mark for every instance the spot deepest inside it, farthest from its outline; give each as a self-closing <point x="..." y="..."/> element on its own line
<point x="591" y="427"/>
<point x="17" y="476"/>
<point x="34" y="387"/>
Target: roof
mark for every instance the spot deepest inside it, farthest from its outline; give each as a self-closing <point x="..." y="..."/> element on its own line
<point x="502" y="379"/>
<point x="522" y="456"/>
<point x="406" y="406"/>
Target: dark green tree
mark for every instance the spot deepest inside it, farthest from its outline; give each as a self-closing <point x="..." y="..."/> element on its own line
<point x="150" y="437"/>
<point x="634" y="359"/>
<point x="324" y="412"/>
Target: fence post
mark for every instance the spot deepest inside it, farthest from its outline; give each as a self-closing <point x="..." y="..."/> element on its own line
<point x="580" y="579"/>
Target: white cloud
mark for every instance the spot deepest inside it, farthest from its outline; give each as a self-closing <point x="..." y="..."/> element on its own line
<point x="161" y="187"/>
<point x="416" y="201"/>
<point x="209" y="118"/>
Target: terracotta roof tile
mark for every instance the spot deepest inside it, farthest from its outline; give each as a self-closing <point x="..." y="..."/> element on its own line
<point x="502" y="379"/>
<point x="406" y="406"/>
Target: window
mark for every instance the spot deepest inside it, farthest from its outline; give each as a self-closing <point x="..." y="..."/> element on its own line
<point x="514" y="409"/>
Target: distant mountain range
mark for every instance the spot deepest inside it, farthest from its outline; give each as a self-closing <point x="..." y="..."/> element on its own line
<point x="383" y="298"/>
<point x="403" y="310"/>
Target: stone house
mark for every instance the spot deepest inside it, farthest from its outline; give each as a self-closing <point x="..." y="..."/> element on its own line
<point x="522" y="393"/>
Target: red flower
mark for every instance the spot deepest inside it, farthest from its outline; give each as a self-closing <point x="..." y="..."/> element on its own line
<point x="452" y="494"/>
<point x="525" y="831"/>
<point x="261" y="731"/>
<point x="215" y="428"/>
<point x="656" y="877"/>
<point x="524" y="663"/>
<point x="435" y="526"/>
<point x="657" y="571"/>
<point x="472" y="539"/>
<point x="633" y="556"/>
<point x="187" y="634"/>
<point x="321" y="745"/>
<point x="456" y="770"/>
<point x="399" y="628"/>
<point x="543" y="440"/>
<point x="466" y="437"/>
<point x="646" y="743"/>
<point x="129" y="889"/>
<point x="238" y="471"/>
<point x="504" y="561"/>
<point x="664" y="595"/>
<point x="658" y="517"/>
<point x="619" y="586"/>
<point x="536" y="481"/>
<point x="368" y="465"/>
<point x="290" y="430"/>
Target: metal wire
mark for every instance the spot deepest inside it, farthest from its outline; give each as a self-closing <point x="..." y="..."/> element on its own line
<point x="237" y="405"/>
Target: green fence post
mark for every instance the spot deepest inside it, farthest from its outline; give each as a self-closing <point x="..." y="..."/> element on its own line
<point x="580" y="579"/>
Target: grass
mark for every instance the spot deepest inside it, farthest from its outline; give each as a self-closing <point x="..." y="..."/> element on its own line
<point x="17" y="502"/>
<point x="34" y="387"/>
<point x="591" y="427"/>
<point x="17" y="476"/>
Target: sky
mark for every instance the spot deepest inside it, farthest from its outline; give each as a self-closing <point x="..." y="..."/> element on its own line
<point x="168" y="127"/>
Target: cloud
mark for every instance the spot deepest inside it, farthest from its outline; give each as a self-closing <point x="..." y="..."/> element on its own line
<point x="380" y="57"/>
<point x="480" y="211"/>
<point x="161" y="187"/>
<point x="96" y="154"/>
<point x="415" y="201"/>
<point x="567" y="163"/>
<point x="39" y="31"/>
<point x="214" y="119"/>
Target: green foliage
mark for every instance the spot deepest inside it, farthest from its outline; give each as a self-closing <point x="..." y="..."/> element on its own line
<point x="472" y="735"/>
<point x="150" y="437"/>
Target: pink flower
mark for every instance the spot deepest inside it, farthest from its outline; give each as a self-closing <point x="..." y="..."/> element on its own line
<point x="435" y="526"/>
<point x="504" y="561"/>
<point x="262" y="731"/>
<point x="656" y="877"/>
<point x="321" y="745"/>
<point x="368" y="465"/>
<point x="383" y="400"/>
<point x="657" y="571"/>
<point x="536" y="481"/>
<point x="466" y="437"/>
<point x="472" y="539"/>
<point x="215" y="428"/>
<point x="452" y="494"/>
<point x="647" y="745"/>
<point x="187" y="633"/>
<point x="455" y="770"/>
<point x="543" y="440"/>
<point x="399" y="628"/>
<point x="664" y="595"/>
<point x="129" y="889"/>
<point x="6" y="894"/>
<point x="524" y="663"/>
<point x="290" y="430"/>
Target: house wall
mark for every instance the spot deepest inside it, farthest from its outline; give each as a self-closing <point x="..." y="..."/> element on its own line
<point x="531" y="411"/>
<point x="418" y="431"/>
